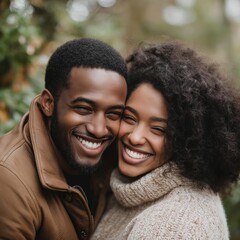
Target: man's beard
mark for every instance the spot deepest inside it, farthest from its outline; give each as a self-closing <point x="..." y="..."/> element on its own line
<point x="66" y="150"/>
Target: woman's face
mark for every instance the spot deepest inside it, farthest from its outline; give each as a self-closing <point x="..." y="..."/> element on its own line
<point x="142" y="139"/>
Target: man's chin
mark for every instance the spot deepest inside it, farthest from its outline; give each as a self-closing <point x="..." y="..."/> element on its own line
<point x="84" y="168"/>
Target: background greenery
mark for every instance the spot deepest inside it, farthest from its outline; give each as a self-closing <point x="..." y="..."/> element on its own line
<point x="30" y="30"/>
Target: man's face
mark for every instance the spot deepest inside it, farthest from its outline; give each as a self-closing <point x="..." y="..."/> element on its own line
<point x="87" y="116"/>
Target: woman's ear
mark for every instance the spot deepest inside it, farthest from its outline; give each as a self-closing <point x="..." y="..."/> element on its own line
<point x="47" y="103"/>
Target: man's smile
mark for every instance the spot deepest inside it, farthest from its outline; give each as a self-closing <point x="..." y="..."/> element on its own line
<point x="92" y="146"/>
<point x="88" y="144"/>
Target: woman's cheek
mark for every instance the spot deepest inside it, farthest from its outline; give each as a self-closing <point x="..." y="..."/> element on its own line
<point x="124" y="128"/>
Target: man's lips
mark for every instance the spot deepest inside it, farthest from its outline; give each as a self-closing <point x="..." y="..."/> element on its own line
<point x="92" y="146"/>
<point x="91" y="138"/>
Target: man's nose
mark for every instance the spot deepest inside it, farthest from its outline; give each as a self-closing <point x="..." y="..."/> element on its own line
<point x="98" y="126"/>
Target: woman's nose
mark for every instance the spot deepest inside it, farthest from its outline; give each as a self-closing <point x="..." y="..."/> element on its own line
<point x="137" y="135"/>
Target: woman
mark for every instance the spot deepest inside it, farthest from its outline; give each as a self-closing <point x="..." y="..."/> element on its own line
<point x="179" y="146"/>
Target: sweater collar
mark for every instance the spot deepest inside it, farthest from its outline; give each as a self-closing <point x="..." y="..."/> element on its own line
<point x="149" y="187"/>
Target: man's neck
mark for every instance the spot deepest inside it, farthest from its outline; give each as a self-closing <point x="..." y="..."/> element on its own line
<point x="84" y="182"/>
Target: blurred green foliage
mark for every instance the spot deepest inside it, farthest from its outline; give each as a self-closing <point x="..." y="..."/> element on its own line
<point x="17" y="51"/>
<point x="232" y="207"/>
<point x="16" y="34"/>
<point x="17" y="104"/>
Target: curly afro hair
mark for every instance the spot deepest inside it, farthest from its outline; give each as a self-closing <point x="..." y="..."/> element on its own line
<point x="203" y="132"/>
<point x="85" y="52"/>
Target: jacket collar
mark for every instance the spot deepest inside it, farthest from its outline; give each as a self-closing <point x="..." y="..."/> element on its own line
<point x="50" y="173"/>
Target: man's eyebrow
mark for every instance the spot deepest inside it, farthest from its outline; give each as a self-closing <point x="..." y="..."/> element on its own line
<point x="82" y="99"/>
<point x="154" y="119"/>
<point x="121" y="106"/>
<point x="86" y="100"/>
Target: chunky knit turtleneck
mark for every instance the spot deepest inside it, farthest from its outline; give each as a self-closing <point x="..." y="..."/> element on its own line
<point x="161" y="205"/>
<point x="148" y="188"/>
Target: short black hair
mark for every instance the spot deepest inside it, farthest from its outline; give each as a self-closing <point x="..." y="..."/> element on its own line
<point x="203" y="132"/>
<point x="84" y="52"/>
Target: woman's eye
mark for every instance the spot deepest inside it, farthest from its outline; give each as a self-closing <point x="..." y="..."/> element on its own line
<point x="83" y="109"/>
<point x="159" y="130"/>
<point x="128" y="119"/>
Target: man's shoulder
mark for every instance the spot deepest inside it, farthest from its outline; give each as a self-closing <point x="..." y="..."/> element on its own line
<point x="17" y="158"/>
<point x="12" y="147"/>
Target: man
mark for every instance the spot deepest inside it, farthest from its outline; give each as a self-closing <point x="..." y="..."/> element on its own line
<point x="49" y="189"/>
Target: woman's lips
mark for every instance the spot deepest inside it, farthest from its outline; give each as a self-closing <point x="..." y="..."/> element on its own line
<point x="133" y="156"/>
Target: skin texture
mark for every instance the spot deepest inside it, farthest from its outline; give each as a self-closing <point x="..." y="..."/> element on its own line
<point x="86" y="118"/>
<point x="142" y="133"/>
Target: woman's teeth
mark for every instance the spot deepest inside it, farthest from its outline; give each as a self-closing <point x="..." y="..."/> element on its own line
<point x="88" y="144"/>
<point x="136" y="155"/>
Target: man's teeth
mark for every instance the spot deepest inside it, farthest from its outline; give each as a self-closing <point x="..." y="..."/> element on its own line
<point x="92" y="145"/>
<point x="136" y="155"/>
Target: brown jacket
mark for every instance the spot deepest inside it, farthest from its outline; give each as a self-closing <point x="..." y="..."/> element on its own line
<point x="35" y="200"/>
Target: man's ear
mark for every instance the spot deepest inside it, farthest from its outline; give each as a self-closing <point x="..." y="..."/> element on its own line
<point x="47" y="103"/>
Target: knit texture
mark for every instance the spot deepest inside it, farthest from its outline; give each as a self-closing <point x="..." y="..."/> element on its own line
<point x="161" y="205"/>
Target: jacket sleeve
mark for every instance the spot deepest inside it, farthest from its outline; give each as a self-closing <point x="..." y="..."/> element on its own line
<point x="19" y="216"/>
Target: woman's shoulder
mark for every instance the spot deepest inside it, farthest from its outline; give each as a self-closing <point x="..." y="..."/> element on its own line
<point x="191" y="200"/>
<point x="185" y="213"/>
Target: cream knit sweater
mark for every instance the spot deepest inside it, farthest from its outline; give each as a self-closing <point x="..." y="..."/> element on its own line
<point x="161" y="205"/>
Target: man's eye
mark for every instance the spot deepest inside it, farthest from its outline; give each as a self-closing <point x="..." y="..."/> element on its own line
<point x="114" y="115"/>
<point x="83" y="109"/>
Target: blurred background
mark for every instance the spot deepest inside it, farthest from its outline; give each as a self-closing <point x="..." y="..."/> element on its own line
<point x="30" y="30"/>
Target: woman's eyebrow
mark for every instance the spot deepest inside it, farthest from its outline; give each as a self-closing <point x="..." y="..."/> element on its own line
<point x="130" y="109"/>
<point x="159" y="119"/>
<point x="154" y="119"/>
